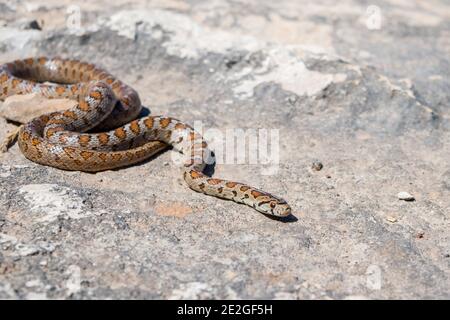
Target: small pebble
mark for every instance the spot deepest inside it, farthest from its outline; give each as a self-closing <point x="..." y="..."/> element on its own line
<point x="420" y="235"/>
<point x="292" y="99"/>
<point x="403" y="195"/>
<point x="391" y="219"/>
<point x="317" y="165"/>
<point x="34" y="25"/>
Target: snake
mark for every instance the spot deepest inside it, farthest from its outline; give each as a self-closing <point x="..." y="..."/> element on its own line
<point x="103" y="130"/>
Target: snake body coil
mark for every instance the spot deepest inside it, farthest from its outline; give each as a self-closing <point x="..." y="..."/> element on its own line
<point x="59" y="140"/>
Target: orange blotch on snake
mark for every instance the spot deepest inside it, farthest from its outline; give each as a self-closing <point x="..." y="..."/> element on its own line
<point x="244" y="188"/>
<point x="35" y="141"/>
<point x="83" y="105"/>
<point x="164" y="122"/>
<point x="56" y="121"/>
<point x="4" y="78"/>
<point x="134" y="126"/>
<point x="59" y="128"/>
<point x="120" y="133"/>
<point x="50" y="132"/>
<point x="84" y="140"/>
<point x="96" y="95"/>
<point x="42" y="60"/>
<point x="70" y="114"/>
<point x="15" y="83"/>
<point x="25" y="136"/>
<point x="214" y="181"/>
<point x="256" y="194"/>
<point x="103" y="138"/>
<point x="29" y="61"/>
<point x="231" y="184"/>
<point x="116" y="156"/>
<point x="86" y="154"/>
<point x="180" y="126"/>
<point x="69" y="151"/>
<point x="60" y="90"/>
<point x="44" y="118"/>
<point x="148" y="123"/>
<point x="103" y="156"/>
<point x="195" y="174"/>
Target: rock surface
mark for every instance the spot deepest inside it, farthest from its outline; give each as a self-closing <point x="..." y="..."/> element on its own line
<point x="23" y="108"/>
<point x="365" y="89"/>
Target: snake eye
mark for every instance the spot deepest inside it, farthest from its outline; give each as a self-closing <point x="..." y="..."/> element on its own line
<point x="272" y="205"/>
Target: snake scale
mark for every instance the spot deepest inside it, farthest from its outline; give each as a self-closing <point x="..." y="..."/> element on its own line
<point x="111" y="108"/>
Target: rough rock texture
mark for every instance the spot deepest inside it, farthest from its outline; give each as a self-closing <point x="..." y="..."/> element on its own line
<point x="362" y="88"/>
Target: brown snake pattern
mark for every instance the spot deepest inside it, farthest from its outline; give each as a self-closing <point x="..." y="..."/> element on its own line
<point x="59" y="139"/>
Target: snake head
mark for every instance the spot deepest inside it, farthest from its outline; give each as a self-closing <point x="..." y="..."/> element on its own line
<point x="275" y="207"/>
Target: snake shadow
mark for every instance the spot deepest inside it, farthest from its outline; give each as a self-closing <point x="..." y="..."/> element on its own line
<point x="288" y="219"/>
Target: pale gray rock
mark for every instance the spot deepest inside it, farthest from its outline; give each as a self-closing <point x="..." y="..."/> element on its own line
<point x="403" y="195"/>
<point x="365" y="89"/>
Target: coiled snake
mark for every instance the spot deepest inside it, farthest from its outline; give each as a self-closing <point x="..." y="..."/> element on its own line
<point x="59" y="140"/>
